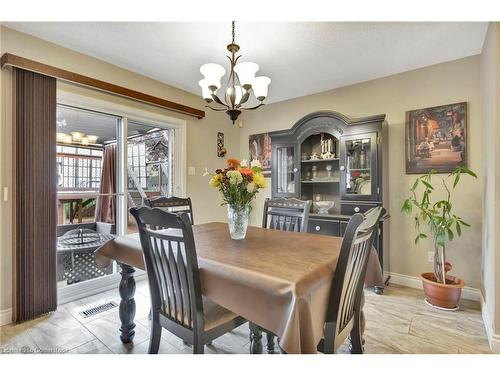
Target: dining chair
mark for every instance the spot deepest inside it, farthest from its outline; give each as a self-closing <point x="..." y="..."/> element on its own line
<point x="171" y="263"/>
<point x="344" y="307"/>
<point x="286" y="214"/>
<point x="172" y="204"/>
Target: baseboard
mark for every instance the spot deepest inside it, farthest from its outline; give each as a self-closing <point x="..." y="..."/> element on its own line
<point x="91" y="287"/>
<point x="5" y="317"/>
<point x="493" y="339"/>
<point x="468" y="293"/>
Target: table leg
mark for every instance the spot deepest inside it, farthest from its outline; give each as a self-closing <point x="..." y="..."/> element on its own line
<point x="255" y="339"/>
<point x="127" y="303"/>
<point x="270" y="343"/>
<point x="357" y="340"/>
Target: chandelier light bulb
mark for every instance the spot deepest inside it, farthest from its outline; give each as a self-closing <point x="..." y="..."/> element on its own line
<point x="85" y="141"/>
<point x="60" y="137"/>
<point x="234" y="95"/>
<point x="246" y="73"/>
<point x="213" y="74"/>
<point x="260" y="87"/>
<point x="92" y="138"/>
<point x="68" y="139"/>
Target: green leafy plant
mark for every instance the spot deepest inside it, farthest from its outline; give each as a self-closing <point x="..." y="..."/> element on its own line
<point x="442" y="223"/>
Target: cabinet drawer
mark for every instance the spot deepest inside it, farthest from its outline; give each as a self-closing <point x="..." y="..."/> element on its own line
<point x="326" y="227"/>
<point x="355" y="207"/>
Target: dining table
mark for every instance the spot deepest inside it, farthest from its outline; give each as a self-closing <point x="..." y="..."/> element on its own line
<point x="280" y="281"/>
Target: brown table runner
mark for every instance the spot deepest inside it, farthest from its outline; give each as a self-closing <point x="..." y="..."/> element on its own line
<point x="278" y="280"/>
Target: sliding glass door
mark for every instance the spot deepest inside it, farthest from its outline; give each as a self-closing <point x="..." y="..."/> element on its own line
<point x="110" y="158"/>
<point x="88" y="191"/>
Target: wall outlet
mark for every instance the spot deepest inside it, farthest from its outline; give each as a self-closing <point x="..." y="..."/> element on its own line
<point x="191" y="171"/>
<point x="430" y="256"/>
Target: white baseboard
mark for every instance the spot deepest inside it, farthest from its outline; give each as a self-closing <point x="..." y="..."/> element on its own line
<point x="91" y="287"/>
<point x="493" y="339"/>
<point x="472" y="294"/>
<point x="5" y="317"/>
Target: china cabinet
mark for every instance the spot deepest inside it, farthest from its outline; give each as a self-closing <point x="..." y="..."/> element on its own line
<point x="337" y="163"/>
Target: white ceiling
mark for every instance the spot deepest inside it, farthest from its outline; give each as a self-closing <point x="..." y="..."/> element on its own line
<point x="301" y="58"/>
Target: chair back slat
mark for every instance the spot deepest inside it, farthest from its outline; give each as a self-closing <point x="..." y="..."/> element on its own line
<point x="172" y="204"/>
<point x="286" y="214"/>
<point x="171" y="264"/>
<point x="347" y="284"/>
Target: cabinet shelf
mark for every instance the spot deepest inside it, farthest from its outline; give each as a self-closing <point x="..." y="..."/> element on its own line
<point x="319" y="160"/>
<point x="358" y="169"/>
<point x="321" y="181"/>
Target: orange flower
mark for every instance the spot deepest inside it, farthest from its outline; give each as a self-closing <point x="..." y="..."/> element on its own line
<point x="233" y="163"/>
<point x="246" y="172"/>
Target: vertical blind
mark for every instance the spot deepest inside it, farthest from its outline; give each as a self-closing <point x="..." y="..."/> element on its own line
<point x="35" y="289"/>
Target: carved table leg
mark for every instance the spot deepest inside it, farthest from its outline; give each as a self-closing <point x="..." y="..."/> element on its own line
<point x="255" y="339"/>
<point x="127" y="303"/>
<point x="270" y="343"/>
<point x="357" y="340"/>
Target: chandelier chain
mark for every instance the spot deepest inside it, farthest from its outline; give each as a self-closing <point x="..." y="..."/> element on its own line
<point x="233" y="30"/>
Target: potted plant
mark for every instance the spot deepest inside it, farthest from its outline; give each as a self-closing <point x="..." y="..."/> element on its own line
<point x="238" y="183"/>
<point x="443" y="225"/>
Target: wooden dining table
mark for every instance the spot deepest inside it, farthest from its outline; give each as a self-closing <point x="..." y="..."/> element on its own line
<point x="278" y="280"/>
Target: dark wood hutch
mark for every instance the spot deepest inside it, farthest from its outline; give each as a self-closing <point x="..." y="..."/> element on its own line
<point x="331" y="159"/>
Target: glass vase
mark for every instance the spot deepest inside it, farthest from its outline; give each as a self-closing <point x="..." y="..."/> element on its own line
<point x="237" y="219"/>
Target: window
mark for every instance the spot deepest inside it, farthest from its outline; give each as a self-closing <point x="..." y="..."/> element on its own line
<point x="78" y="168"/>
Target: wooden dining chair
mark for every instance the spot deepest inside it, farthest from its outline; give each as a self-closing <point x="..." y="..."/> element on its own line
<point x="286" y="214"/>
<point x="174" y="281"/>
<point x="344" y="307"/>
<point x="172" y="204"/>
<point x="283" y="214"/>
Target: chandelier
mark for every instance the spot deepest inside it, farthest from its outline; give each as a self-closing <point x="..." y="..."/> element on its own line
<point x="240" y="82"/>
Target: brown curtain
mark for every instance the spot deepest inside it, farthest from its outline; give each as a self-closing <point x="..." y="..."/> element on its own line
<point x="35" y="289"/>
<point x="106" y="205"/>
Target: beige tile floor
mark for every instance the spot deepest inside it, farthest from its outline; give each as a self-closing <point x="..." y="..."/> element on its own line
<point x="397" y="322"/>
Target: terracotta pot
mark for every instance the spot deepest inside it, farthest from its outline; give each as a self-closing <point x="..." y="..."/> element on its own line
<point x="441" y="295"/>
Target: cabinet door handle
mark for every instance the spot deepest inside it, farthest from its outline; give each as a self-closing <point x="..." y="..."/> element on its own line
<point x="342" y="168"/>
<point x="356" y="209"/>
<point x="318" y="228"/>
<point x="295" y="170"/>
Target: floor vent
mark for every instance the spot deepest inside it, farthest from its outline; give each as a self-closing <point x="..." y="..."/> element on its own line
<point x="98" y="309"/>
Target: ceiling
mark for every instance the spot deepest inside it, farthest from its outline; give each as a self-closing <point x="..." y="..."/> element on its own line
<point x="92" y="123"/>
<point x="301" y="58"/>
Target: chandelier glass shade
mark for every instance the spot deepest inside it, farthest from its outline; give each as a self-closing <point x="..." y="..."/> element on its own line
<point x="241" y="82"/>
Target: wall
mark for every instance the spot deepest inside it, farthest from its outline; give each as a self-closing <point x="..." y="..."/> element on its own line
<point x="450" y="82"/>
<point x="201" y="134"/>
<point x="490" y="100"/>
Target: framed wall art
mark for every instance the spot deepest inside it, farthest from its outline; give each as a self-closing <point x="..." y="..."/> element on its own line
<point x="259" y="146"/>
<point x="436" y="138"/>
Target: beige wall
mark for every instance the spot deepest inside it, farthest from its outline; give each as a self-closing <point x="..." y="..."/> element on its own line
<point x="440" y="84"/>
<point x="490" y="100"/>
<point x="201" y="134"/>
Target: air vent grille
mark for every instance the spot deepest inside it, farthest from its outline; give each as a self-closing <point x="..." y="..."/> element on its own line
<point x="98" y="309"/>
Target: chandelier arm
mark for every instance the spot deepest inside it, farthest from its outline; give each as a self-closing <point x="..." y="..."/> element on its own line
<point x="244" y="99"/>
<point x="250" y="108"/>
<point x="217" y="100"/>
<point x="216" y="109"/>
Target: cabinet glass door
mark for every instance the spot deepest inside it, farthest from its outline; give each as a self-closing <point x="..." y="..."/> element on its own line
<point x="286" y="170"/>
<point x="360" y="166"/>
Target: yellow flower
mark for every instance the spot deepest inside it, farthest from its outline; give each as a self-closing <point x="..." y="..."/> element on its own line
<point x="215" y="180"/>
<point x="259" y="180"/>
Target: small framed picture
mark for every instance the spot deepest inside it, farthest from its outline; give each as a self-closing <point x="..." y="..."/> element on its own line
<point x="436" y="138"/>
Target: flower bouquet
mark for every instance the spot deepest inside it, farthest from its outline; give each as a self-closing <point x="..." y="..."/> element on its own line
<point x="238" y="184"/>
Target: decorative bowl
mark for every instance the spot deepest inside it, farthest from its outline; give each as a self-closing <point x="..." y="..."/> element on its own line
<point x="322" y="207"/>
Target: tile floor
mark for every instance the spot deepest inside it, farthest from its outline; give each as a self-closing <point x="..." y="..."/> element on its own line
<point x="397" y="322"/>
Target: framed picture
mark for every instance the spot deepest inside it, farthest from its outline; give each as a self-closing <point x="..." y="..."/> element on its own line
<point x="259" y="148"/>
<point x="436" y="138"/>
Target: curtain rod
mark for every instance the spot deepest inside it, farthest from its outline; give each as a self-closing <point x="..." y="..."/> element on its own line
<point x="9" y="59"/>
